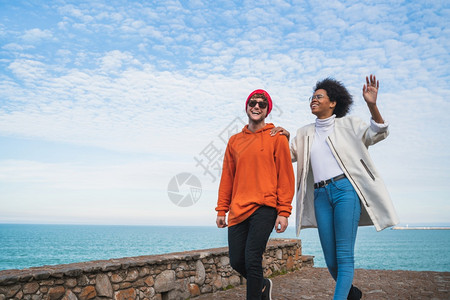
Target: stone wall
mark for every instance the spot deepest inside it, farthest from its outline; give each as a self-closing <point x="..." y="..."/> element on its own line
<point x="182" y="275"/>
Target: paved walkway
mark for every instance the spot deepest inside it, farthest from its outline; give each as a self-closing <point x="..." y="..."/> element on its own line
<point x="316" y="283"/>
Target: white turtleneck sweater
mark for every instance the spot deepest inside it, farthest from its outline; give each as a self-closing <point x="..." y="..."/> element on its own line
<point x="323" y="163"/>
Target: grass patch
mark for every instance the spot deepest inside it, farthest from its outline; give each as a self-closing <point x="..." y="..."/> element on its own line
<point x="282" y="272"/>
<point x="278" y="273"/>
<point x="228" y="287"/>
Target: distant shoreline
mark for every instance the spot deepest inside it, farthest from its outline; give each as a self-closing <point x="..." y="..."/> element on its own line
<point x="419" y="228"/>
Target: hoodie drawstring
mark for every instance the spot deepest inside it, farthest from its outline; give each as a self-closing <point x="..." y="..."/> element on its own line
<point x="262" y="142"/>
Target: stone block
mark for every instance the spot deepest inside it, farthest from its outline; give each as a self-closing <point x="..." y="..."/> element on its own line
<point x="19" y="295"/>
<point x="165" y="281"/>
<point x="298" y="253"/>
<point x="179" y="274"/>
<point x="235" y="280"/>
<point x="69" y="295"/>
<point x="225" y="282"/>
<point x="71" y="282"/>
<point x="194" y="290"/>
<point x="56" y="292"/>
<point x="206" y="289"/>
<point x="143" y="272"/>
<point x="116" y="278"/>
<point x="279" y="254"/>
<point x="125" y="285"/>
<point x="290" y="263"/>
<point x="149" y="281"/>
<point x="217" y="282"/>
<point x="183" y="266"/>
<point x="129" y="294"/>
<point x="10" y="291"/>
<point x="200" y="273"/>
<point x="132" y="275"/>
<point x="87" y="293"/>
<point x="46" y="282"/>
<point x="30" y="288"/>
<point x="178" y="294"/>
<point x="148" y="292"/>
<point x="224" y="261"/>
<point x="83" y="280"/>
<point x="103" y="286"/>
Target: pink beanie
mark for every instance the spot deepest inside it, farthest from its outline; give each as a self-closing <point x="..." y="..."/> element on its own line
<point x="269" y="108"/>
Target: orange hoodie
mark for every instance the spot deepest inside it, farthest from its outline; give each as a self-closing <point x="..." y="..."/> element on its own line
<point x="257" y="171"/>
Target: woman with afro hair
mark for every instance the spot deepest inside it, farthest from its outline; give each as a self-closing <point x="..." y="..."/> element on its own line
<point x="338" y="187"/>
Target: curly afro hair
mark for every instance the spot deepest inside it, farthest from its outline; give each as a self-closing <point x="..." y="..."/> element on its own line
<point x="337" y="92"/>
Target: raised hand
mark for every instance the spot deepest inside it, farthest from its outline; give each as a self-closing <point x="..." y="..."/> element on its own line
<point x="370" y="93"/>
<point x="370" y="90"/>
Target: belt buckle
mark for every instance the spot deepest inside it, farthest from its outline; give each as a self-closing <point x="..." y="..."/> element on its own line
<point x="322" y="183"/>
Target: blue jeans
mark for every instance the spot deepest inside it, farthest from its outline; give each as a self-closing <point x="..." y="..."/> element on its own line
<point x="337" y="208"/>
<point x="247" y="243"/>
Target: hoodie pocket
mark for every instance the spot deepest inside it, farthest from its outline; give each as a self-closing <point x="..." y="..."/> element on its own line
<point x="367" y="169"/>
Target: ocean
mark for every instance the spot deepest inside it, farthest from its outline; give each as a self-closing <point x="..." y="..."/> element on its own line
<point x="26" y="245"/>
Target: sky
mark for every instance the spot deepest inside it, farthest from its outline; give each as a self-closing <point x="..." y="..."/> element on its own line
<point x="118" y="112"/>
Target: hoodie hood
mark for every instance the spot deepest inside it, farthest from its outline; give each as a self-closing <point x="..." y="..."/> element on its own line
<point x="268" y="126"/>
<point x="260" y="133"/>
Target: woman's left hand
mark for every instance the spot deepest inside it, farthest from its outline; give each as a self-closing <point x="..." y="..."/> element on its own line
<point x="370" y="90"/>
<point x="280" y="130"/>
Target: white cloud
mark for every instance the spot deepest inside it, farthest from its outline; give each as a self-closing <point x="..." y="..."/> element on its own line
<point x="36" y="35"/>
<point x="17" y="47"/>
<point x="80" y="14"/>
<point x="26" y="69"/>
<point x="114" y="60"/>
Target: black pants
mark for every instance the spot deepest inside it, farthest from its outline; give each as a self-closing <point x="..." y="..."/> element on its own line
<point x="247" y="243"/>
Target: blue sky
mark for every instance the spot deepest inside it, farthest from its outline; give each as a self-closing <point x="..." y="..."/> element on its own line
<point x="102" y="103"/>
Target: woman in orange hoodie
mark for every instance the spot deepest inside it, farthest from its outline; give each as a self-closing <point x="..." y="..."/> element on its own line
<point x="256" y="190"/>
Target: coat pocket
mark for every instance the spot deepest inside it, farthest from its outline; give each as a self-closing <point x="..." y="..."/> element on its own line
<point x="367" y="169"/>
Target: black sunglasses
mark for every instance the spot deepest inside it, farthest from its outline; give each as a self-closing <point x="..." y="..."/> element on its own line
<point x="262" y="104"/>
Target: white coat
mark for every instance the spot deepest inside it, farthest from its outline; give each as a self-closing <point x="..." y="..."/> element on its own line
<point x="348" y="142"/>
